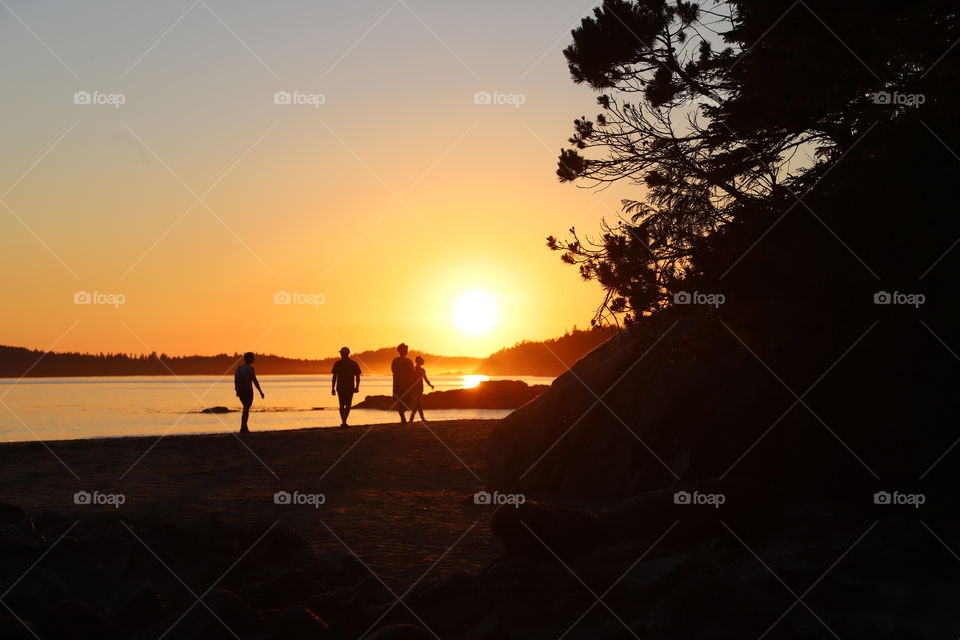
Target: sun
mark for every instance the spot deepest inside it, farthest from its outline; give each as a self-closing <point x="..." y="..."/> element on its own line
<point x="475" y="312"/>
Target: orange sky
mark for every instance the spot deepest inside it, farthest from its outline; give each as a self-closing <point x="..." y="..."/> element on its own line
<point x="379" y="207"/>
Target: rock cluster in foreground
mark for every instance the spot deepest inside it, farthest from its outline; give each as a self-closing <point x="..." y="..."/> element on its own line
<point x="648" y="568"/>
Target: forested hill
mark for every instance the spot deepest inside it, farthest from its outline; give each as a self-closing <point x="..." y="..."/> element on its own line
<point x="17" y="361"/>
<point x="547" y="357"/>
<point x="528" y="358"/>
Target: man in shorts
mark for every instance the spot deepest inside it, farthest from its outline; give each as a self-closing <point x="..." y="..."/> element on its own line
<point x="402" y="369"/>
<point x="244" y="380"/>
<point x="345" y="383"/>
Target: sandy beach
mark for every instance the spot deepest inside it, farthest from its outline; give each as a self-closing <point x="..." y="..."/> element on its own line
<point x="397" y="496"/>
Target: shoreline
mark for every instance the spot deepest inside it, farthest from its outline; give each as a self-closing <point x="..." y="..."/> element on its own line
<point x="222" y="434"/>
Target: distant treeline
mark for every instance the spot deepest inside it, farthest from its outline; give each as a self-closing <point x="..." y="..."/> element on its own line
<point x="16" y="362"/>
<point x="547" y="357"/>
<point x="525" y="358"/>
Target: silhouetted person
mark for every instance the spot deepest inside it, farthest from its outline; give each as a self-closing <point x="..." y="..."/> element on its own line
<point x="402" y="370"/>
<point x="345" y="383"/>
<point x="416" y="392"/>
<point x="244" y="380"/>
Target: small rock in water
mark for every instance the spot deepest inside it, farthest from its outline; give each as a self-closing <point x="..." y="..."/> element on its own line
<point x="216" y="410"/>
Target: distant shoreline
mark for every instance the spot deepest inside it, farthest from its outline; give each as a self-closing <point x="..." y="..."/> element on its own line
<point x="545" y="358"/>
<point x="259" y="373"/>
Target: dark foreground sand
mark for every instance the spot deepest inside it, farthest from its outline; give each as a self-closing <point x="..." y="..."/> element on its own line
<point x="397" y="496"/>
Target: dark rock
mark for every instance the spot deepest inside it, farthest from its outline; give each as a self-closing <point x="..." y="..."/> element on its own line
<point x="490" y="628"/>
<point x="46" y="519"/>
<point x="23" y="529"/>
<point x="231" y="617"/>
<point x="278" y="551"/>
<point x="538" y="531"/>
<point x="27" y="606"/>
<point x="215" y="410"/>
<point x="234" y="611"/>
<point x="296" y="623"/>
<point x="77" y="621"/>
<point x="143" y="608"/>
<point x="43" y="583"/>
<point x="289" y="588"/>
<point x="10" y="513"/>
<point x="450" y="603"/>
<point x="345" y="618"/>
<point x="402" y="632"/>
<point x="341" y="569"/>
<point x="12" y="629"/>
<point x="490" y="394"/>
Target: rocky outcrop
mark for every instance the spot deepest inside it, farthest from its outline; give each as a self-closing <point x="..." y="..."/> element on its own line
<point x="693" y="398"/>
<point x="490" y="394"/>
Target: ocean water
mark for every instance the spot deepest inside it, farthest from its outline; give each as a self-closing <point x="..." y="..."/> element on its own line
<point x="69" y="408"/>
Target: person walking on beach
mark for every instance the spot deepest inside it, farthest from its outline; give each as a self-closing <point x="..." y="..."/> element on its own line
<point x="345" y="383"/>
<point x="244" y="380"/>
<point x="416" y="393"/>
<point x="402" y="370"/>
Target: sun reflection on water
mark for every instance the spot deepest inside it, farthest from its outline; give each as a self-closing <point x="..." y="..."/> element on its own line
<point x="469" y="382"/>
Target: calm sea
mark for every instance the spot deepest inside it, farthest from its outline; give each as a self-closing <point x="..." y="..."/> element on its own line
<point x="68" y="408"/>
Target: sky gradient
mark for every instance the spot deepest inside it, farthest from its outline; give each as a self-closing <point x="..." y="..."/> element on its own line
<point x="200" y="197"/>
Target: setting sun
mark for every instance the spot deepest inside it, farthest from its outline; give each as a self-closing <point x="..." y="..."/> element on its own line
<point x="475" y="312"/>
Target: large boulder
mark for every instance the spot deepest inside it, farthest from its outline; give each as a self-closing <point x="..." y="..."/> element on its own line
<point x="654" y="408"/>
<point x="542" y="532"/>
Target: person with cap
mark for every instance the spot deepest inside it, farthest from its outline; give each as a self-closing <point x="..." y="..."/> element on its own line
<point x="403" y="380"/>
<point x="244" y="379"/>
<point x="345" y="383"/>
